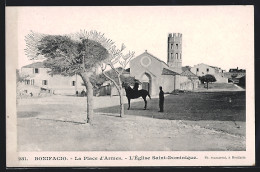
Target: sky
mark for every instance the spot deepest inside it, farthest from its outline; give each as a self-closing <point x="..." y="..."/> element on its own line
<point x="221" y="36"/>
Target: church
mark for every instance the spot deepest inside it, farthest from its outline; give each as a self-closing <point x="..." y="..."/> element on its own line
<point x="153" y="72"/>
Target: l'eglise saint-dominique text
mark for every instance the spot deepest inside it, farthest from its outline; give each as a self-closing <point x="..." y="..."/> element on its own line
<point x="140" y="158"/>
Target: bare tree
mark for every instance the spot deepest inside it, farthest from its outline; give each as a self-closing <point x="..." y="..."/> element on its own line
<point x="117" y="58"/>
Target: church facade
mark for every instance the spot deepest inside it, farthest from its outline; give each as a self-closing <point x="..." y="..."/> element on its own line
<point x="153" y="72"/>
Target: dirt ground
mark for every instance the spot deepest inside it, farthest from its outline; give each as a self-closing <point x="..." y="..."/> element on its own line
<point x="191" y="122"/>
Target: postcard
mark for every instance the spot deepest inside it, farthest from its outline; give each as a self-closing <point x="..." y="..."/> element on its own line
<point x="102" y="86"/>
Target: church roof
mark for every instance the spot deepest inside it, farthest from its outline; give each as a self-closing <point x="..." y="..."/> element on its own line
<point x="188" y="73"/>
<point x="152" y="56"/>
<point x="169" y="72"/>
<point x="156" y="58"/>
<point x="35" y="65"/>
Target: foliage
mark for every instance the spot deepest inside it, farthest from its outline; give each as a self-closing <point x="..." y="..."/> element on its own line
<point x="99" y="79"/>
<point x="242" y="81"/>
<point x="65" y="54"/>
<point x="207" y="78"/>
<point x="20" y="77"/>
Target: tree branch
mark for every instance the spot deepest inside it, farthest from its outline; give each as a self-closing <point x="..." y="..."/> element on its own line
<point x="112" y="67"/>
<point x="114" y="82"/>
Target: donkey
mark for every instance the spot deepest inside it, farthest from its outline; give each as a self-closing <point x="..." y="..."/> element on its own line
<point x="132" y="94"/>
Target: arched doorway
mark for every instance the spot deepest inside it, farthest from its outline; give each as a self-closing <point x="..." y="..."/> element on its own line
<point x="147" y="82"/>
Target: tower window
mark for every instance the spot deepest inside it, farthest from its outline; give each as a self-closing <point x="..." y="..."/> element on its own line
<point x="207" y="69"/>
<point x="172" y="55"/>
<point x="44" y="82"/>
<point x="36" y="70"/>
<point x="177" y="46"/>
<point x="176" y="55"/>
<point x="171" y="46"/>
<point x="197" y="69"/>
<point x="73" y="83"/>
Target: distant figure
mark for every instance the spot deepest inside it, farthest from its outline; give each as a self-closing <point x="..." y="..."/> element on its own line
<point x="136" y="86"/>
<point x="161" y="99"/>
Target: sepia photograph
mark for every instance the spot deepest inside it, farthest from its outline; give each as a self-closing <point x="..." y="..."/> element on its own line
<point x="145" y="85"/>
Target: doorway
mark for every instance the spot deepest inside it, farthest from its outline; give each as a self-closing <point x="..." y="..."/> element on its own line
<point x="146" y="82"/>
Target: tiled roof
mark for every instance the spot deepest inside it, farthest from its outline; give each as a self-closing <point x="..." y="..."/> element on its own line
<point x="169" y="72"/>
<point x="185" y="68"/>
<point x="35" y="65"/>
<point x="215" y="67"/>
<point x="188" y="73"/>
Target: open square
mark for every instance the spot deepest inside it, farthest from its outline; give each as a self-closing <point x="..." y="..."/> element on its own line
<point x="192" y="121"/>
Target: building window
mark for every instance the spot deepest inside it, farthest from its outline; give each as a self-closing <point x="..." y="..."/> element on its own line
<point x="32" y="81"/>
<point x="171" y="46"/>
<point x="36" y="70"/>
<point x="176" y="56"/>
<point x="207" y="69"/>
<point x="172" y="55"/>
<point x="27" y="82"/>
<point x="44" y="82"/>
<point x="197" y="69"/>
<point x="177" y="46"/>
<point x="73" y="83"/>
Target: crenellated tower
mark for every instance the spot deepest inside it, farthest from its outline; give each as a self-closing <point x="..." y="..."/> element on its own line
<point x="174" y="59"/>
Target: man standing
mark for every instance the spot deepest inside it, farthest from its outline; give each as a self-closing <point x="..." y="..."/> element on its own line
<point x="161" y="99"/>
<point x="136" y="86"/>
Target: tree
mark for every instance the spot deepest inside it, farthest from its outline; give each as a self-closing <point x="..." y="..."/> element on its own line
<point x="208" y="78"/>
<point x="19" y="79"/>
<point x="69" y="55"/>
<point x="117" y="58"/>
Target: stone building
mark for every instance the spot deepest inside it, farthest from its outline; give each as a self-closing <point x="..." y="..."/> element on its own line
<point x="204" y="69"/>
<point x="235" y="73"/>
<point x="38" y="79"/>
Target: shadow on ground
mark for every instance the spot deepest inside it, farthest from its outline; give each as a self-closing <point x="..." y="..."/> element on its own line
<point x="219" y="106"/>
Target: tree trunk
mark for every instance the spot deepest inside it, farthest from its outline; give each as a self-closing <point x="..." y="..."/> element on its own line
<point x="120" y="92"/>
<point x="122" y="111"/>
<point x="89" y="89"/>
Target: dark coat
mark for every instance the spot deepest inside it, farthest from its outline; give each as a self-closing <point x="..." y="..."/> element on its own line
<point x="161" y="95"/>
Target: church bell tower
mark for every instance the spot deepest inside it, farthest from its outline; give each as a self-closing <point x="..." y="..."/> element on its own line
<point x="174" y="59"/>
